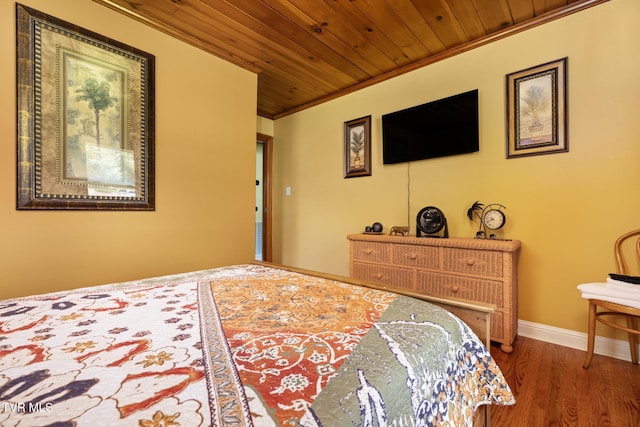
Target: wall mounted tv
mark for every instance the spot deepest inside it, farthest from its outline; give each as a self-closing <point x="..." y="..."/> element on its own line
<point x="445" y="127"/>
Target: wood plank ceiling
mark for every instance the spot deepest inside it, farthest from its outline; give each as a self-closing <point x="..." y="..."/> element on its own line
<point x="306" y="52"/>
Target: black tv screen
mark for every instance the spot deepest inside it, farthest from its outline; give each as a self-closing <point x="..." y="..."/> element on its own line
<point x="445" y="127"/>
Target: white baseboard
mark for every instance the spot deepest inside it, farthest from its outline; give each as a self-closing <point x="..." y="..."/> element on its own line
<point x="618" y="349"/>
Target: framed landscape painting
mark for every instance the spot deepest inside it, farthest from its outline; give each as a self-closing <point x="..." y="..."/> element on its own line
<point x="85" y="108"/>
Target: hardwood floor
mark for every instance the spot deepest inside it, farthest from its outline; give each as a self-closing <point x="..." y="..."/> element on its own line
<point x="553" y="389"/>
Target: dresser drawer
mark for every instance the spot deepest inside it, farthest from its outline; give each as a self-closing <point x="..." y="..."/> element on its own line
<point x="415" y="256"/>
<point x="460" y="287"/>
<point x="469" y="261"/>
<point x="398" y="277"/>
<point x="370" y="251"/>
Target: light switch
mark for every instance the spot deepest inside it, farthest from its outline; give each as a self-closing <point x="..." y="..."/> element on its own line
<point x="287" y="191"/>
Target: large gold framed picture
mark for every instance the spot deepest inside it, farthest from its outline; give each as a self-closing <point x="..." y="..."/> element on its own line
<point x="85" y="107"/>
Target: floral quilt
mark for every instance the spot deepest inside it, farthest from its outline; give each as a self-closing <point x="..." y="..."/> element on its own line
<point x="240" y="345"/>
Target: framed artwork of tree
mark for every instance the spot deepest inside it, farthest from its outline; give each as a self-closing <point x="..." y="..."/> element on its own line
<point x="357" y="147"/>
<point x="537" y="110"/>
<point x="86" y="124"/>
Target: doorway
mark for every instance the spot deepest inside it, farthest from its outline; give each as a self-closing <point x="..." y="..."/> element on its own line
<point x="264" y="202"/>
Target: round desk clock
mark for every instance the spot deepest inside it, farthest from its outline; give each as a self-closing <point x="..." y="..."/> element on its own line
<point x="430" y="221"/>
<point x="493" y="218"/>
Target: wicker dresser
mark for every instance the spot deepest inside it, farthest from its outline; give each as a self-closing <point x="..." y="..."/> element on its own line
<point x="473" y="269"/>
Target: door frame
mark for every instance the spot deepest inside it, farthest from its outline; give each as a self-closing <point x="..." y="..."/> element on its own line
<point x="267" y="199"/>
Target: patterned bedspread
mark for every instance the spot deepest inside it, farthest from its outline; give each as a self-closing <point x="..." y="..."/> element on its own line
<point x="240" y="345"/>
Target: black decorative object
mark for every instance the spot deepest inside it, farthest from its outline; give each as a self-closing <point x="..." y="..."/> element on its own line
<point x="375" y="228"/>
<point x="476" y="210"/>
<point x="430" y="221"/>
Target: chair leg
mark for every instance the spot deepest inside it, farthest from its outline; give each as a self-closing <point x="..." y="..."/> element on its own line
<point x="591" y="335"/>
<point x="632" y="340"/>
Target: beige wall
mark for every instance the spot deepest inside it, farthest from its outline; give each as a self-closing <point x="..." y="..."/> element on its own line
<point x="566" y="208"/>
<point x="205" y="169"/>
<point x="264" y="126"/>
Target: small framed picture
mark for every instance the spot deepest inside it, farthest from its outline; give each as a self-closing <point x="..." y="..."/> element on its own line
<point x="357" y="147"/>
<point x="537" y="110"/>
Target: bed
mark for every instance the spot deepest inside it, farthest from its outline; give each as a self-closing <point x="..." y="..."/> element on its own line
<point x="255" y="345"/>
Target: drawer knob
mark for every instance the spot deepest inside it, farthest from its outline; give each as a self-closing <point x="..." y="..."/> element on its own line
<point x="378" y="275"/>
<point x="368" y="251"/>
<point x="470" y="261"/>
<point x="413" y="255"/>
<point x="454" y="288"/>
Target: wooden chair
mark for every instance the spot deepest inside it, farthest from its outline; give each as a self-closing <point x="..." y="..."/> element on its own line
<point x="607" y="312"/>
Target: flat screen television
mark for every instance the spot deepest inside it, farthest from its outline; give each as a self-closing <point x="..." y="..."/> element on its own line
<point x="445" y="127"/>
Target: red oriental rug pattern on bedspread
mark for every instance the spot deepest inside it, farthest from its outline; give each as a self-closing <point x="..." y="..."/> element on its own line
<point x="289" y="334"/>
